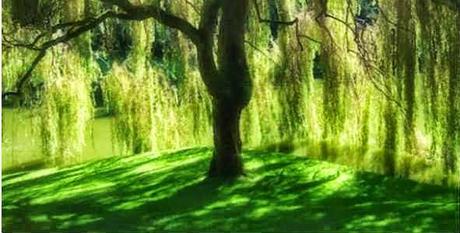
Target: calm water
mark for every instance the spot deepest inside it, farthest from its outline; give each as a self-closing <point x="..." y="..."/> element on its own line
<point x="21" y="144"/>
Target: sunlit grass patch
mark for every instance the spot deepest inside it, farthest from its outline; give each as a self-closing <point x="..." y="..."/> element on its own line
<point x="279" y="192"/>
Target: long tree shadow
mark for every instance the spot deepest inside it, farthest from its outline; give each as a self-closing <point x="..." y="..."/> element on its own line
<point x="170" y="193"/>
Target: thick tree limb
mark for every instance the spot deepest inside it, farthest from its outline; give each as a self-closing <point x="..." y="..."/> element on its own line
<point x="75" y="29"/>
<point x="84" y="27"/>
<point x="141" y="12"/>
<point x="205" y="46"/>
<point x="53" y="29"/>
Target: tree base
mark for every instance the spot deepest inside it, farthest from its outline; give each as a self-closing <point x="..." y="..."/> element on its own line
<point x="226" y="166"/>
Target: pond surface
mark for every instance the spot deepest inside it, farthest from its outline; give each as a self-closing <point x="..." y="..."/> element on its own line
<point x="21" y="143"/>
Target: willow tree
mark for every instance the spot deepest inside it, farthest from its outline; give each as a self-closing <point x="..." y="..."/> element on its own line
<point x="219" y="38"/>
<point x="224" y="70"/>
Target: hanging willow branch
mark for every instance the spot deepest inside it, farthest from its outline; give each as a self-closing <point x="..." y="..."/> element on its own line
<point x="363" y="53"/>
<point x="72" y="30"/>
<point x="193" y="6"/>
<point x="453" y="5"/>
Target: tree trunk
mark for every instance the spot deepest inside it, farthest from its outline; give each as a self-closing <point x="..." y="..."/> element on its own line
<point x="233" y="90"/>
<point x="226" y="161"/>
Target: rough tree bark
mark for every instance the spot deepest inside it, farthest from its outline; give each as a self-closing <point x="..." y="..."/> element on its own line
<point x="226" y="161"/>
<point x="234" y="90"/>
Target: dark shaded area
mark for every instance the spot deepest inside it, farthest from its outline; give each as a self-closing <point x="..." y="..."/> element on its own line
<point x="274" y="16"/>
<point x="368" y="12"/>
<point x="166" y="54"/>
<point x="283" y="147"/>
<point x="25" y="12"/>
<point x="98" y="94"/>
<point x="24" y="167"/>
<point x="113" y="40"/>
<point x="170" y="193"/>
<point x="319" y="68"/>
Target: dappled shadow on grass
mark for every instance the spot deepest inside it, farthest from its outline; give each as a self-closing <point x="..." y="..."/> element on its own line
<point x="170" y="192"/>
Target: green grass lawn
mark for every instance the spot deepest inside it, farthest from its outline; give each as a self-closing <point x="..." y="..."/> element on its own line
<point x="280" y="193"/>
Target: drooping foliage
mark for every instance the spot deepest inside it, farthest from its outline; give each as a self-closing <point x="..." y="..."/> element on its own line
<point x="372" y="84"/>
<point x="65" y="109"/>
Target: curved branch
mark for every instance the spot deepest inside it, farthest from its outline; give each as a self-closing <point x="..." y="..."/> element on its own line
<point x="141" y="12"/>
<point x="53" y="29"/>
<point x="340" y="21"/>
<point x="75" y="29"/>
<point x="28" y="73"/>
<point x="205" y="46"/>
<point x="85" y="26"/>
